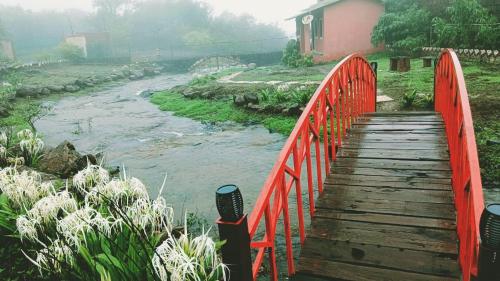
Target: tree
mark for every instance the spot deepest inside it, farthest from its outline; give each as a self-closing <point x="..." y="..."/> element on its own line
<point x="404" y="27"/>
<point x="467" y="25"/>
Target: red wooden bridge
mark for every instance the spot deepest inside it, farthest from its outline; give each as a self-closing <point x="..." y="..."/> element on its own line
<point x="400" y="194"/>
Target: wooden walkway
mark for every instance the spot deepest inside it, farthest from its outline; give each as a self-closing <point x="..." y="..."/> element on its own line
<point x="387" y="210"/>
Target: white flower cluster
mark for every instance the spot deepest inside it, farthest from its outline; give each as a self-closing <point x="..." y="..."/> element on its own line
<point x="22" y="189"/>
<point x="120" y="191"/>
<point x="283" y="87"/>
<point x="3" y="139"/>
<point x="91" y="176"/>
<point x="30" y="143"/>
<point x="54" y="255"/>
<point x="155" y="215"/>
<point x="3" y="152"/>
<point x="188" y="259"/>
<point x="48" y="208"/>
<point x="74" y="226"/>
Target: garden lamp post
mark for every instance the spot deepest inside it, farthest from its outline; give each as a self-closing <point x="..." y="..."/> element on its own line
<point x="233" y="229"/>
<point x="489" y="248"/>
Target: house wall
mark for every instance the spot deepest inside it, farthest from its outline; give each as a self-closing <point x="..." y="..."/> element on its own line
<point x="7" y="50"/>
<point x="347" y="29"/>
<point x="78" y="41"/>
<point x="305" y="44"/>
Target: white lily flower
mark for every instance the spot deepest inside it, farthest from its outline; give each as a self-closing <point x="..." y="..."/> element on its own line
<point x="74" y="226"/>
<point x="48" y="208"/>
<point x="3" y="151"/>
<point x="3" y="139"/>
<point x="53" y="255"/>
<point x="22" y="189"/>
<point x="188" y="259"/>
<point x="25" y="134"/>
<point x="26" y="228"/>
<point x="89" y="177"/>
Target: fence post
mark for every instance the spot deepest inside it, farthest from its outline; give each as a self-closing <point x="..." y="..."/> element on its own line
<point x="236" y="250"/>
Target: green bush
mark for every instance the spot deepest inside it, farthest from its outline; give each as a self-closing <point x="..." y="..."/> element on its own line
<point x="292" y="56"/>
<point x="70" y="52"/>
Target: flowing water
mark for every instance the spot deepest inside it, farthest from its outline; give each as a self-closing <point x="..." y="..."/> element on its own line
<point x="134" y="133"/>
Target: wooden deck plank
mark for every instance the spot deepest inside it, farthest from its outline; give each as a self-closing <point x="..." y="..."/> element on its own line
<point x="387" y="206"/>
<point x="386" y="218"/>
<point x="392" y="164"/>
<point x="386" y="235"/>
<point x="372" y="255"/>
<point x="346" y="271"/>
<point x="397" y="194"/>
<point x="386" y="212"/>
<point x="392" y="172"/>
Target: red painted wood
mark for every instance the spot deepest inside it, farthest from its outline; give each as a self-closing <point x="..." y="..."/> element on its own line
<point x="346" y="93"/>
<point x="451" y="100"/>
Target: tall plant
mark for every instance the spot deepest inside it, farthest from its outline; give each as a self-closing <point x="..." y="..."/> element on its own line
<point x="101" y="228"/>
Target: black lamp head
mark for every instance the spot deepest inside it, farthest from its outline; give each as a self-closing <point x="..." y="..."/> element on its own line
<point x="229" y="202"/>
<point x="490" y="227"/>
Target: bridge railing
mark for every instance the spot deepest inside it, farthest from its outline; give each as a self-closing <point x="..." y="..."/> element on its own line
<point x="348" y="91"/>
<point x="452" y="102"/>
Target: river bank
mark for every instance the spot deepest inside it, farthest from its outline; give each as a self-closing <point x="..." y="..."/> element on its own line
<point x="275" y="95"/>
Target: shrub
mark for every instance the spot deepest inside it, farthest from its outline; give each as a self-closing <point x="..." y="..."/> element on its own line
<point x="292" y="56"/>
<point x="70" y="52"/>
<point x="409" y="98"/>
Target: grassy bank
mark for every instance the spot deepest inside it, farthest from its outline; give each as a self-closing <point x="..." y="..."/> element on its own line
<point x="219" y="111"/>
<point x="411" y="90"/>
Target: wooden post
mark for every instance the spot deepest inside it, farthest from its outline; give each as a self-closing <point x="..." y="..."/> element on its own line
<point x="393" y="64"/>
<point x="236" y="251"/>
<point x="426" y="61"/>
<point x="404" y="64"/>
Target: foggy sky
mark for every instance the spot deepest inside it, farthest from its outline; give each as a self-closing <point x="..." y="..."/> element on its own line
<point x="268" y="11"/>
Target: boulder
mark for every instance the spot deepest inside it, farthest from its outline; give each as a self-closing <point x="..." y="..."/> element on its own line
<point x="252" y="65"/>
<point x="293" y="110"/>
<point x="251" y="98"/>
<point x="4" y="111"/>
<point x="64" y="160"/>
<point x="45" y="92"/>
<point x="80" y="83"/>
<point x="149" y="71"/>
<point x="239" y="100"/>
<point x="254" y="107"/>
<point x="55" y="88"/>
<point x="136" y="75"/>
<point x="28" y="91"/>
<point x="208" y="95"/>
<point x="71" y="88"/>
<point x="191" y="93"/>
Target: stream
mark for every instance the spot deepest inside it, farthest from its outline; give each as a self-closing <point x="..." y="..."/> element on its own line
<point x="150" y="143"/>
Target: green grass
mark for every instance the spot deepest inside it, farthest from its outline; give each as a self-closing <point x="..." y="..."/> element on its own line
<point x="283" y="73"/>
<point x="482" y="83"/>
<point x="219" y="111"/>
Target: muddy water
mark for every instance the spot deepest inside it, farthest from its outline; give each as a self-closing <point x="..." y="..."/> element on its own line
<point x="132" y="132"/>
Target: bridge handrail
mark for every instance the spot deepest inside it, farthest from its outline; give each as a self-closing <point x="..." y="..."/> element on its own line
<point x="348" y="91"/>
<point x="452" y="101"/>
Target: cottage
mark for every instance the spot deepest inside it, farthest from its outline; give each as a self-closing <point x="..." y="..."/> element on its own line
<point x="331" y="29"/>
<point x="93" y="45"/>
